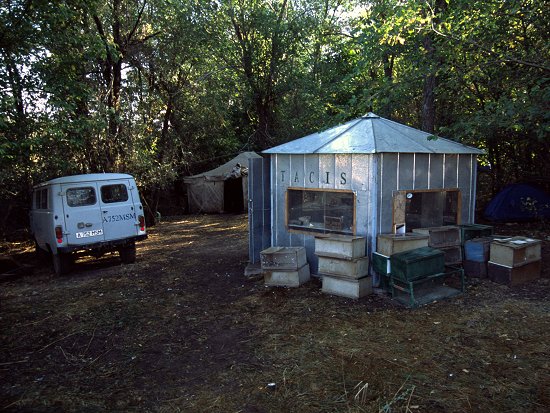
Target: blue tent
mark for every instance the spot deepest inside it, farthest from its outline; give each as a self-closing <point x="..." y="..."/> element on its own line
<point x="518" y="202"/>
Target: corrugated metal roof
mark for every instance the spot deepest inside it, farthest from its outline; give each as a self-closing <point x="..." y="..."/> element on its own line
<point x="372" y="134"/>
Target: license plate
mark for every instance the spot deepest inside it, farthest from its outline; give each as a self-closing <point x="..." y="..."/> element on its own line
<point x="92" y="233"/>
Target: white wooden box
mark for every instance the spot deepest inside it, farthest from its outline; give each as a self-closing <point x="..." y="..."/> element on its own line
<point x="283" y="258"/>
<point x="346" y="287"/>
<point x="287" y="278"/>
<point x="346" y="247"/>
<point x="514" y="251"/>
<point x="356" y="268"/>
<point x="388" y="244"/>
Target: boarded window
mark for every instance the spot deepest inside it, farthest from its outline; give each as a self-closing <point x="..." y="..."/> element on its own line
<point x="114" y="193"/>
<point x="77" y="197"/>
<point x="41" y="199"/>
<point x="321" y="211"/>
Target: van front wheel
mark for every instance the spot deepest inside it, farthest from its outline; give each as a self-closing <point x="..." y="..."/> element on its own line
<point x="128" y="253"/>
<point x="62" y="263"/>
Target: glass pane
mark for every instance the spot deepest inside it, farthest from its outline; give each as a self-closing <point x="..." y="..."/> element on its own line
<point x="114" y="193"/>
<point x="431" y="209"/>
<point x="321" y="211"/>
<point x="44" y="199"/>
<point x="81" y="196"/>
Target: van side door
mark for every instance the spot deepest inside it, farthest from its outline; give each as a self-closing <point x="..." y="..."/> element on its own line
<point x="82" y="213"/>
<point x="117" y="206"/>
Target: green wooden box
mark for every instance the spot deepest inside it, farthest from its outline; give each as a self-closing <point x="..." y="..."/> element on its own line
<point x="418" y="263"/>
<point x="381" y="264"/>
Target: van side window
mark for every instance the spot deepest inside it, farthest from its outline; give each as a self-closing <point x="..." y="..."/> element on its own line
<point x="114" y="193"/>
<point x="41" y="199"/>
<point x="44" y="199"/>
<point x="81" y="196"/>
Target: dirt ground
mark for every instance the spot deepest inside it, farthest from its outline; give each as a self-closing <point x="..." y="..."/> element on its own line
<point x="183" y="330"/>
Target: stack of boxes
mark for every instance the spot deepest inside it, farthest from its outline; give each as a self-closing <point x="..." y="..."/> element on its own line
<point x="514" y="260"/>
<point x="284" y="266"/>
<point x="343" y="265"/>
<point x="389" y="244"/>
<point x="446" y="239"/>
<point x="476" y="256"/>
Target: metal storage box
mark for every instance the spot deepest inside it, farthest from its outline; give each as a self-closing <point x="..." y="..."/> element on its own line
<point x="515" y="251"/>
<point x="340" y="246"/>
<point x="477" y="249"/>
<point x="445" y="236"/>
<point x="283" y="258"/>
<point x="418" y="263"/>
<point x="514" y="275"/>
<point x="471" y="231"/>
<point x="356" y="268"/>
<point x="345" y="287"/>
<point x="388" y="244"/>
<point x="288" y="278"/>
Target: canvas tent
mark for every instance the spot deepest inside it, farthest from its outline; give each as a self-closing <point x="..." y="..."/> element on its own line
<point x="362" y="178"/>
<point x="223" y="189"/>
<point x="518" y="202"/>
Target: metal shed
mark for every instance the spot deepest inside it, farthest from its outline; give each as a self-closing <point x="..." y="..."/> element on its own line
<point x="368" y="176"/>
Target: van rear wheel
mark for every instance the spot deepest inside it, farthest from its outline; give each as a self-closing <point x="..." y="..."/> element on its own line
<point x="128" y="253"/>
<point x="62" y="263"/>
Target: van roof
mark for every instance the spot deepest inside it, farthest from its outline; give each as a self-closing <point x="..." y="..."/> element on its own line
<point x="85" y="178"/>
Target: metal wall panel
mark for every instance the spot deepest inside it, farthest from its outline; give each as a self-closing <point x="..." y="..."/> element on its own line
<point x="326" y="171"/>
<point x="388" y="184"/>
<point x="282" y="179"/>
<point x="296" y="174"/>
<point x="436" y="171"/>
<point x="466" y="183"/>
<point x="406" y="171"/>
<point x="343" y="173"/>
<point x="259" y="207"/>
<point x="421" y="170"/>
<point x="311" y="166"/>
<point x="450" y="179"/>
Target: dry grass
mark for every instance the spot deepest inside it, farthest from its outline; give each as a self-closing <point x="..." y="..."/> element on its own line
<point x="182" y="330"/>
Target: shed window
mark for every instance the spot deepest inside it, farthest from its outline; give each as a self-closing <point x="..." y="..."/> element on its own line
<point x="81" y="196"/>
<point x="114" y="193"/>
<point x="427" y="208"/>
<point x="321" y="211"/>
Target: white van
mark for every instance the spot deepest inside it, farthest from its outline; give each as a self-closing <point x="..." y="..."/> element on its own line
<point x="87" y="215"/>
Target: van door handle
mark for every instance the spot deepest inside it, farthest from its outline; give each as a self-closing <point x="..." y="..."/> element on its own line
<point x="89" y="224"/>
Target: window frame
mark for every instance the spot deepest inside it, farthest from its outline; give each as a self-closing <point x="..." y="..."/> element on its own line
<point x="400" y="201"/>
<point x="324" y="231"/>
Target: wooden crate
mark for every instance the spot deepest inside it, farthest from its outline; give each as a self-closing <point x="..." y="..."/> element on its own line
<point x="357" y="268"/>
<point x="417" y="264"/>
<point x="340" y="246"/>
<point x="514" y="275"/>
<point x="287" y="278"/>
<point x="476" y="269"/>
<point x="471" y="231"/>
<point x="346" y="287"/>
<point x="388" y="244"/>
<point x="514" y="251"/>
<point x="445" y="236"/>
<point x="283" y="258"/>
<point x="477" y="249"/>
<point x="453" y="255"/>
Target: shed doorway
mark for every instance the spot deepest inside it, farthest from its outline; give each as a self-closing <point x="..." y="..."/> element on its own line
<point x="233" y="196"/>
